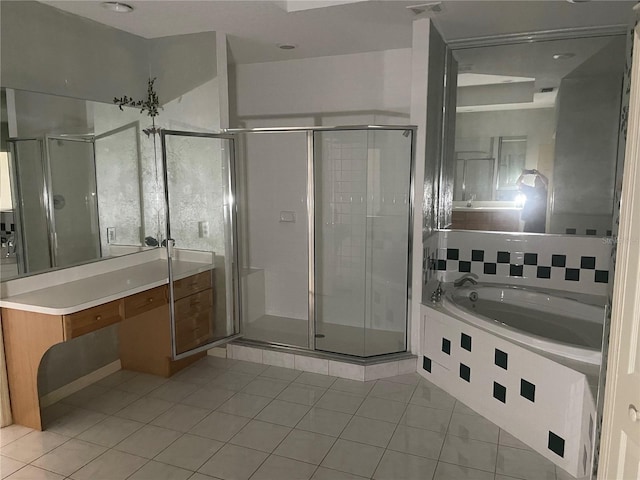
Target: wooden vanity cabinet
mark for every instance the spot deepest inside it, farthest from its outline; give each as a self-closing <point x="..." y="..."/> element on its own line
<point x="144" y="336"/>
<point x="499" y="220"/>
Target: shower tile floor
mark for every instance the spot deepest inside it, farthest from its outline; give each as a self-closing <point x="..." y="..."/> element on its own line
<point x="337" y="338"/>
<point x="234" y="420"/>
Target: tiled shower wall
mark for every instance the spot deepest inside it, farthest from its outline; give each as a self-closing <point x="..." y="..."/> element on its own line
<point x="567" y="263"/>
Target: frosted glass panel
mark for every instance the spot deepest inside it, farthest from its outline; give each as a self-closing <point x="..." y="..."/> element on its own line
<point x="198" y="181"/>
<point x="362" y="182"/>
<point x="272" y="205"/>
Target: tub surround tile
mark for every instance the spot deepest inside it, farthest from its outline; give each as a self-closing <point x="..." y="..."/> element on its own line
<point x="511" y="386"/>
<point x="573" y="264"/>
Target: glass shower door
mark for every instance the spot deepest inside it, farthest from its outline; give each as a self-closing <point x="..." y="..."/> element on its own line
<point x="200" y="231"/>
<point x="73" y="203"/>
<point x="362" y="224"/>
<point x="30" y="204"/>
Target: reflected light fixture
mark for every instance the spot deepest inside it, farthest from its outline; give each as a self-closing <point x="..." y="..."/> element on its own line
<point x="286" y="46"/>
<point x="117" y="7"/>
<point x="563" y="56"/>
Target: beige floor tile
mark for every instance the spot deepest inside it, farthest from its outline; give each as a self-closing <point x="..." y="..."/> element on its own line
<point x="428" y="395"/>
<point x="402" y="466"/>
<point x="283" y="413"/>
<point x="447" y="471"/>
<point x="427" y="418"/>
<point x="189" y="452"/>
<point x="181" y="417"/>
<point x="398" y="392"/>
<point x="69" y="457"/>
<point x="144" y="409"/>
<point x="469" y="453"/>
<point x="380" y="409"/>
<point x="315" y="379"/>
<point x="369" y="431"/>
<point x="340" y="402"/>
<point x="326" y="422"/>
<point x="209" y="398"/>
<point x="474" y="427"/>
<point x="265" y="387"/>
<point x="417" y="441"/>
<point x="303" y="394"/>
<point x="261" y="436"/>
<point x="279" y="468"/>
<point x="12" y="432"/>
<point x="173" y="391"/>
<point x="305" y="446"/>
<point x="323" y="473"/>
<point x="9" y="465"/>
<point x="233" y="462"/>
<point x="524" y="464"/>
<point x="352" y="457"/>
<point x="110" y="431"/>
<point x="112" y="465"/>
<point x="34" y="473"/>
<point x="148" y="442"/>
<point x="353" y="386"/>
<point x="160" y="471"/>
<point x="244" y="405"/>
<point x="33" y="445"/>
<point x="142" y="384"/>
<point x="219" y="426"/>
<point x="75" y="422"/>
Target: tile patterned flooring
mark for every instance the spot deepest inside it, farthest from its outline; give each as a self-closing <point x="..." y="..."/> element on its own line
<point x="234" y="420"/>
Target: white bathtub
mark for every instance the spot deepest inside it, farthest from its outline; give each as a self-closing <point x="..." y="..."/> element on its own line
<point x="537" y="320"/>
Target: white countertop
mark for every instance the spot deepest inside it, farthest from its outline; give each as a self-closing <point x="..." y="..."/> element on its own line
<point x="95" y="290"/>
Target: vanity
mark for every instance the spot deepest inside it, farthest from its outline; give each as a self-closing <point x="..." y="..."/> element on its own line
<point x="136" y="298"/>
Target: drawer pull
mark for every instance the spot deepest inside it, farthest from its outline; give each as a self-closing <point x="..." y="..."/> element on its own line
<point x="150" y="300"/>
<point x="98" y="318"/>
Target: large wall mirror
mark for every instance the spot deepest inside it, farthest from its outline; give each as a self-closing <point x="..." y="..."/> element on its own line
<point x="536" y="131"/>
<point x="79" y="182"/>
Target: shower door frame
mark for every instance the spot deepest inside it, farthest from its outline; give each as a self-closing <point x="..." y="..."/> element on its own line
<point x="310" y="131"/>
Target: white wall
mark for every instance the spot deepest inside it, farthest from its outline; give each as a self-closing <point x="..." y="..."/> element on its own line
<point x="46" y="50"/>
<point x="538" y="125"/>
<point x="362" y="82"/>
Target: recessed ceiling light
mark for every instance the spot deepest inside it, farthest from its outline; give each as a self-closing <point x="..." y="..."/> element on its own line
<point x="117" y="7"/>
<point x="286" y="46"/>
<point x="563" y="56"/>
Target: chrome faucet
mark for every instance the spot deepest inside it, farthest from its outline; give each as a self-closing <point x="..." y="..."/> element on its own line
<point x="467" y="277"/>
<point x="436" y="296"/>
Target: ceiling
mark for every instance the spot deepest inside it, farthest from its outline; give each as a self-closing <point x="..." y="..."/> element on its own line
<point x="330" y="27"/>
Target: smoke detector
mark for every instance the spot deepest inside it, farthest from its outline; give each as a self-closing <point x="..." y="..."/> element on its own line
<point x="433" y="8"/>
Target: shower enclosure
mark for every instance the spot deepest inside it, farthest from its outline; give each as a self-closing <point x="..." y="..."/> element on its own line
<point x="325" y="237"/>
<point x="309" y="230"/>
<point x="54" y="183"/>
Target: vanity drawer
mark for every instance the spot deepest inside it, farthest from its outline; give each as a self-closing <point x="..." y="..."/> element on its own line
<point x="91" y="319"/>
<point x="188" y="306"/>
<point x="192" y="284"/>
<point x="145" y="301"/>
<point x="193" y="337"/>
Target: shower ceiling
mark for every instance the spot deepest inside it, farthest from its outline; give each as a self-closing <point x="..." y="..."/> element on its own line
<point x="334" y="27"/>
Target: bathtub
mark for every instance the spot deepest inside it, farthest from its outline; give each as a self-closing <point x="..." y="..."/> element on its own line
<point x="542" y="321"/>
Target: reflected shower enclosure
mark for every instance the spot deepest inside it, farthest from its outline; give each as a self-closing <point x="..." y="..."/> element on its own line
<point x="56" y="209"/>
<point x="324" y="219"/>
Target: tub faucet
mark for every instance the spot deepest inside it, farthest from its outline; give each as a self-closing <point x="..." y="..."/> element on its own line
<point x="436" y="296"/>
<point x="467" y="277"/>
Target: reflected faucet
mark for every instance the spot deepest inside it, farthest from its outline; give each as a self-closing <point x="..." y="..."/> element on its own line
<point x="467" y="277"/>
<point x="436" y="296"/>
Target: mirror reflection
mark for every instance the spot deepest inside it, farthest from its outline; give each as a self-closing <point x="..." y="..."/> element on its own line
<point x="74" y="175"/>
<point x="536" y="136"/>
